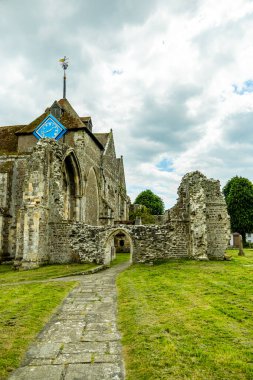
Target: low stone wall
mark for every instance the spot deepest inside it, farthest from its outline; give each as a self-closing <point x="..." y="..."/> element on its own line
<point x="159" y="242"/>
<point x="78" y="242"/>
<point x="85" y="243"/>
<point x="74" y="242"/>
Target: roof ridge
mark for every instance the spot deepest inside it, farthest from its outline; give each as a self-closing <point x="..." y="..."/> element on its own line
<point x="68" y="107"/>
<point x="12" y="126"/>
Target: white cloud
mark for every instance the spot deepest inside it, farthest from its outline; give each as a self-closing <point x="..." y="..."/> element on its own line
<point x="161" y="74"/>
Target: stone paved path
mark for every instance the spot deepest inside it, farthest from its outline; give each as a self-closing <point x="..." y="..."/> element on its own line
<point x="81" y="342"/>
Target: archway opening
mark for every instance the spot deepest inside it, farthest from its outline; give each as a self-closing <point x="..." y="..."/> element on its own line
<point x="71" y="187"/>
<point x="121" y="243"/>
<point x="118" y="247"/>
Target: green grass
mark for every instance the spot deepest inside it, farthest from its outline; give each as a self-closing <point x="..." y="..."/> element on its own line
<point x="120" y="258"/>
<point x="9" y="275"/>
<point x="24" y="309"/>
<point x="188" y="320"/>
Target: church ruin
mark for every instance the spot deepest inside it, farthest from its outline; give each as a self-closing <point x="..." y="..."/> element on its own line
<point x="63" y="199"/>
<point x="52" y="171"/>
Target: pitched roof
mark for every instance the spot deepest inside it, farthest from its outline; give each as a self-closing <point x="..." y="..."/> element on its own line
<point x="29" y="128"/>
<point x="67" y="116"/>
<point x="9" y="139"/>
<point x="102" y="138"/>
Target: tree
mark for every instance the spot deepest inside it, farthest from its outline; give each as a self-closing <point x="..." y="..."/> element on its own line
<point x="153" y="202"/>
<point x="143" y="213"/>
<point x="238" y="194"/>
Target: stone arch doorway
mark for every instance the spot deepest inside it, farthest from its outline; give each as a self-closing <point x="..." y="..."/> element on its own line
<point x="72" y="187"/>
<point x="121" y="243"/>
<point x="114" y="241"/>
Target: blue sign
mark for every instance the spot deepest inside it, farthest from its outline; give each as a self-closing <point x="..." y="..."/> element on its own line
<point x="50" y="128"/>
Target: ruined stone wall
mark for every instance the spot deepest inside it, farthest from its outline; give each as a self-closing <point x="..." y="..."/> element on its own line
<point x="196" y="227"/>
<point x="74" y="242"/>
<point x="60" y="243"/>
<point x="158" y="242"/>
<point x="217" y="221"/>
<point x="6" y="171"/>
<point x="44" y="195"/>
<point x="12" y="169"/>
<point x="192" y="200"/>
<point x="44" y="200"/>
<point x="202" y="205"/>
<point x="3" y="189"/>
<point x="18" y="177"/>
<point x="33" y="215"/>
<point x="84" y="243"/>
<point x="3" y="208"/>
<point x="1" y="236"/>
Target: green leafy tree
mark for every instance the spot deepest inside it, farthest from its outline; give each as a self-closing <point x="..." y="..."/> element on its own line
<point x="152" y="201"/>
<point x="143" y="213"/>
<point x="238" y="193"/>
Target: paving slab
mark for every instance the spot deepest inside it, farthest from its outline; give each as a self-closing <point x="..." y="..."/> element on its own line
<point x="82" y="340"/>
<point x="97" y="371"/>
<point x="41" y="372"/>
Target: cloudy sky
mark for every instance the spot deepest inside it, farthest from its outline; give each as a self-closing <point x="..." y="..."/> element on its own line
<point x="172" y="78"/>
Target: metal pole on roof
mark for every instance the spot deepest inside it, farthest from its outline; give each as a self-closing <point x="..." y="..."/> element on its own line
<point x="65" y="64"/>
<point x="64" y="85"/>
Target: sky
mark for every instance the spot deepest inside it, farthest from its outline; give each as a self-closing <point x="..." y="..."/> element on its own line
<point x="172" y="78"/>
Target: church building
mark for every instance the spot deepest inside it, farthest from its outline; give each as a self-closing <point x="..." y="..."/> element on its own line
<point x="53" y="172"/>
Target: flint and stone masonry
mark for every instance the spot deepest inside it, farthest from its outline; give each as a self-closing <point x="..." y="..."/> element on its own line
<point x="59" y="201"/>
<point x="197" y="227"/>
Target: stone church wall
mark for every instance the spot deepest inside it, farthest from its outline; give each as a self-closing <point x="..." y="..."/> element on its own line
<point x="54" y="191"/>
<point x="46" y="181"/>
<point x="49" y="214"/>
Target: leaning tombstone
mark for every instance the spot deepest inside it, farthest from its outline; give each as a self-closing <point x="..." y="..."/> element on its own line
<point x="138" y="221"/>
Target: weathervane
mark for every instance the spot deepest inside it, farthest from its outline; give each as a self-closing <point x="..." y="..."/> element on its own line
<point x="64" y="64"/>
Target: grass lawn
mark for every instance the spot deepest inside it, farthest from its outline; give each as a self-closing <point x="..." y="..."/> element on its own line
<point x="7" y="274"/>
<point x="188" y="320"/>
<point x="120" y="258"/>
<point x="24" y="309"/>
